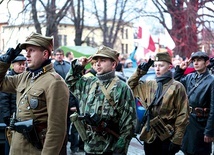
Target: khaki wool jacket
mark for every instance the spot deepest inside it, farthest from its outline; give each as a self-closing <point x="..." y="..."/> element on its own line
<point x="51" y="95"/>
<point x="174" y="109"/>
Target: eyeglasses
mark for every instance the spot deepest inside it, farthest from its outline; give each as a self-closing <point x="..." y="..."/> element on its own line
<point x="58" y="54"/>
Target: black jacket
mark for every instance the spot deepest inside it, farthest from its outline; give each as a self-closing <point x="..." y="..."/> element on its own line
<point x="8" y="101"/>
<point x="202" y="96"/>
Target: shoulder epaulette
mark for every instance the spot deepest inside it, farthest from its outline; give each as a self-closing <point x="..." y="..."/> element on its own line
<point x="56" y="75"/>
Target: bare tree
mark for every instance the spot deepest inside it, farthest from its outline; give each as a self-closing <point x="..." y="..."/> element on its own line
<point x="53" y="17"/>
<point x="186" y="22"/>
<point x="1" y="1"/>
<point x="77" y="16"/>
<point x="112" y="17"/>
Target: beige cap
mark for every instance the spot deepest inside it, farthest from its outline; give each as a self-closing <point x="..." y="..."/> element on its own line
<point x="37" y="39"/>
<point x="163" y="56"/>
<point x="106" y="52"/>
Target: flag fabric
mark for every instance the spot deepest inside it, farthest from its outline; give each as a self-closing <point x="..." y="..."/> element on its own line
<point x="139" y="34"/>
<point x="166" y="40"/>
<point x="151" y="45"/>
<point x="146" y="51"/>
<point x="145" y="39"/>
<point x="169" y="51"/>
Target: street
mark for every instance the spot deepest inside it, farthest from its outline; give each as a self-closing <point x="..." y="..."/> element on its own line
<point x="135" y="148"/>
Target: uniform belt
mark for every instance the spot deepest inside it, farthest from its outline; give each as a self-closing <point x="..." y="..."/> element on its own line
<point x="101" y="130"/>
<point x="94" y="128"/>
<point x="200" y="112"/>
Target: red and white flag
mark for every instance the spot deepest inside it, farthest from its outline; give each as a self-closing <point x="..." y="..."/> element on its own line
<point x="166" y="40"/>
<point x="145" y="39"/>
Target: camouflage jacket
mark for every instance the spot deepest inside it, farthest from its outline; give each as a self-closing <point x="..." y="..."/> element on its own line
<point x="120" y="117"/>
<point x="174" y="109"/>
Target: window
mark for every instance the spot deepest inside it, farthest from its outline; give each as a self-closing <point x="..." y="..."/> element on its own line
<point x="124" y="33"/>
<point x="124" y="48"/>
<point x="62" y="40"/>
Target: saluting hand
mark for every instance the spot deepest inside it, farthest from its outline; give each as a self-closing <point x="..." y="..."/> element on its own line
<point x="11" y="54"/>
<point x="84" y="61"/>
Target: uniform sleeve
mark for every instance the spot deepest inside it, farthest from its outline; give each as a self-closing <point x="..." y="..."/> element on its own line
<point x="182" y="116"/>
<point x="209" y="129"/>
<point x="128" y="118"/>
<point x="74" y="73"/>
<point x="78" y="84"/>
<point x="140" y="88"/>
<point x="57" y="107"/>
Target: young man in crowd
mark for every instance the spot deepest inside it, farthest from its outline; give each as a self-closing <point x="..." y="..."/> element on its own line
<point x="106" y="102"/>
<point x="200" y="90"/>
<point x="166" y="103"/>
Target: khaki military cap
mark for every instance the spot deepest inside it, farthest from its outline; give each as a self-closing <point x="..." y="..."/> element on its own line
<point x="37" y="39"/>
<point x="163" y="56"/>
<point x="106" y="52"/>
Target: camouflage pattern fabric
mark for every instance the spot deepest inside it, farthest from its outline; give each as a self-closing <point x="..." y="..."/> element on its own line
<point x="120" y="118"/>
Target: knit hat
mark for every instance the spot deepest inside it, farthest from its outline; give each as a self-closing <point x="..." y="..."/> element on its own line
<point x="200" y="55"/>
<point x="106" y="52"/>
<point x="20" y="57"/>
<point x="163" y="56"/>
<point x="37" y="39"/>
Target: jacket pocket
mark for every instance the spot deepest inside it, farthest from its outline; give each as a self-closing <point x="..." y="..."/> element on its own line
<point x="36" y="98"/>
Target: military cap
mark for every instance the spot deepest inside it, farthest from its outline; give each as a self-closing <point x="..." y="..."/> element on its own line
<point x="200" y="54"/>
<point x="106" y="52"/>
<point x="20" y="57"/>
<point x="37" y="39"/>
<point x="163" y="56"/>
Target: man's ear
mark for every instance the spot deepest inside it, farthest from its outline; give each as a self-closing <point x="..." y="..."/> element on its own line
<point x="46" y="54"/>
<point x="207" y="62"/>
<point x="114" y="64"/>
<point x="170" y="66"/>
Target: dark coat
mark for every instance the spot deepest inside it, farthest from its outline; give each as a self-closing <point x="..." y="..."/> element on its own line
<point x="8" y="101"/>
<point x="202" y="96"/>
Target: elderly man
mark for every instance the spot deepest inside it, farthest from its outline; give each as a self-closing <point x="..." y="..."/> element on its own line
<point x="42" y="96"/>
<point x="107" y="102"/>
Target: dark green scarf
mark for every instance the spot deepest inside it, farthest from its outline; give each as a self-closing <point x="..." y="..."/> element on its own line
<point x="161" y="81"/>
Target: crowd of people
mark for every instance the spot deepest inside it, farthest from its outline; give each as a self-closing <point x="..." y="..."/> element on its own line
<point x="54" y="100"/>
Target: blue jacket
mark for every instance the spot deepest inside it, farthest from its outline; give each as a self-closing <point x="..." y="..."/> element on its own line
<point x="62" y="68"/>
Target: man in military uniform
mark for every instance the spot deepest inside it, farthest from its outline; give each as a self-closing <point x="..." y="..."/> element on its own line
<point x="8" y="100"/>
<point x="42" y="95"/>
<point x="107" y="101"/>
<point x="167" y="106"/>
<point x="200" y="89"/>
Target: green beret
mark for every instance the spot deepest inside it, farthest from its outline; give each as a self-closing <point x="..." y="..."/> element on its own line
<point x="37" y="39"/>
<point x="106" y="52"/>
<point x="163" y="56"/>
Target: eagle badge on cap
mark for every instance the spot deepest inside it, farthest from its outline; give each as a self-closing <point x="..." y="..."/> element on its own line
<point x="156" y="58"/>
<point x="101" y="47"/>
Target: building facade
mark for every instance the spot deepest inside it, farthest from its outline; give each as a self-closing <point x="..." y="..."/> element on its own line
<point x="11" y="35"/>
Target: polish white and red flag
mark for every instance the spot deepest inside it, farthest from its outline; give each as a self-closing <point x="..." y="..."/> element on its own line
<point x="166" y="40"/>
<point x="145" y="39"/>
